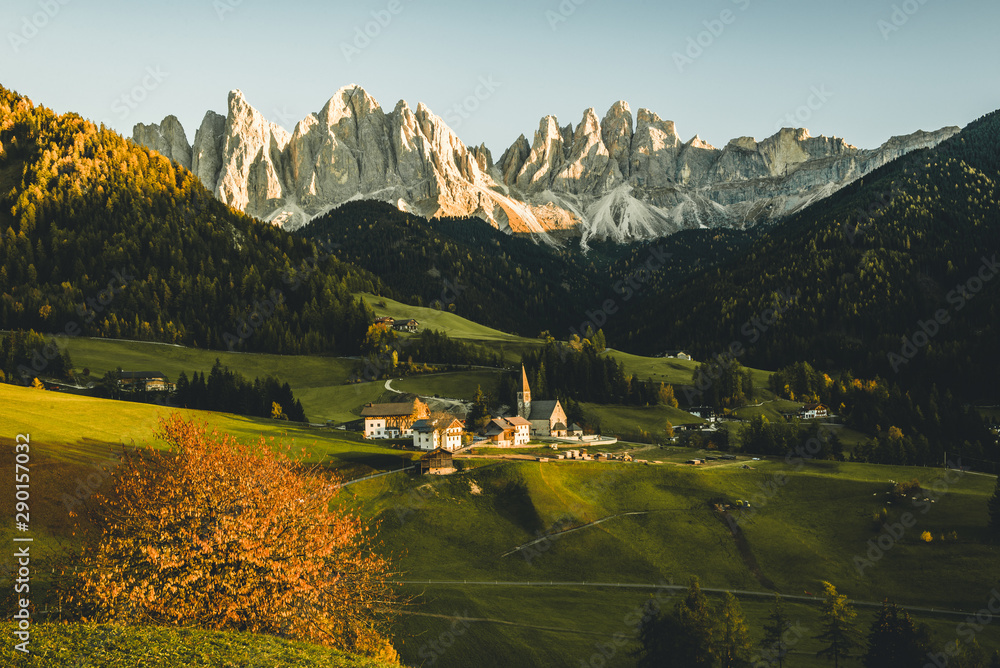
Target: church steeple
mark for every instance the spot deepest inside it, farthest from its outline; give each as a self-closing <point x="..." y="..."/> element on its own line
<point x="524" y="396"/>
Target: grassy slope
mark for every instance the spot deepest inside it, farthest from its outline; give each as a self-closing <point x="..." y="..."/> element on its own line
<point x="460" y="384"/>
<point x="318" y="382"/>
<point x="809" y="531"/>
<point x="72" y="429"/>
<point x="109" y="646"/>
<point x="456" y="326"/>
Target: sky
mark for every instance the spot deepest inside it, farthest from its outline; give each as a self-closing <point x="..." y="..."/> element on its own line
<point x="863" y="70"/>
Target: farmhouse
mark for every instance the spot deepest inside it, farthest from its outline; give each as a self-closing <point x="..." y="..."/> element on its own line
<point x="813" y="411"/>
<point x="678" y="354"/>
<point x="438" y="434"/>
<point x="547" y="418"/>
<point x="144" y="381"/>
<point x="405" y="325"/>
<point x="438" y="462"/>
<point x="393" y="420"/>
<point x="704" y="412"/>
<point x="508" y="432"/>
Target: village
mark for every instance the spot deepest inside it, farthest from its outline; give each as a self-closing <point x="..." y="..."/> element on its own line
<point x="536" y="424"/>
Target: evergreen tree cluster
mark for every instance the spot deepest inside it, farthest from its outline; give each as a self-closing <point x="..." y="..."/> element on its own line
<point x="914" y="427"/>
<point x="871" y="267"/>
<point x="26" y="355"/>
<point x="228" y="391"/>
<point x="760" y="437"/>
<point x="695" y="634"/>
<point x="581" y="373"/>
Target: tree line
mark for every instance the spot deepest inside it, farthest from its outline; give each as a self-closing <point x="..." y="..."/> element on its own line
<point x="696" y="634"/>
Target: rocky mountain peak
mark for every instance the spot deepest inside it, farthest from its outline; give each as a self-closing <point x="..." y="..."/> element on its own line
<point x="609" y="177"/>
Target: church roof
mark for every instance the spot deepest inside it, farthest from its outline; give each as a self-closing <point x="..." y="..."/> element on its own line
<point x="543" y="410"/>
<point x="524" y="380"/>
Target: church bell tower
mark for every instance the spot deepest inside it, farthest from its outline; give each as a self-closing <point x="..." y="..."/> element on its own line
<point x="524" y="396"/>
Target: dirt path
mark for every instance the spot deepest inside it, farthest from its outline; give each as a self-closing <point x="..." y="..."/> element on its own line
<point x="743" y="546"/>
<point x="487" y="620"/>
<point x="555" y="535"/>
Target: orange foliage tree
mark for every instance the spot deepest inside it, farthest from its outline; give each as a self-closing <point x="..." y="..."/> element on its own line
<point x="222" y="535"/>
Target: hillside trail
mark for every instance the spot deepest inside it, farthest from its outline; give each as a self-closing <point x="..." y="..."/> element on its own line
<point x="743" y="546"/>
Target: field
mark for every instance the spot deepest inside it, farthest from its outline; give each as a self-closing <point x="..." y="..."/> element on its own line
<point x="456" y="538"/>
<point x="811" y="529"/>
<point x="74" y="429"/>
<point x="320" y="383"/>
<point x="460" y="385"/>
<point x="111" y="646"/>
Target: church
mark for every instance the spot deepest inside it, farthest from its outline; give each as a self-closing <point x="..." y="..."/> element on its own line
<point x="547" y="418"/>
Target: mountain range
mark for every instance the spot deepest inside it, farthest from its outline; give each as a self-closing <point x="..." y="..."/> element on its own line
<point x="621" y="178"/>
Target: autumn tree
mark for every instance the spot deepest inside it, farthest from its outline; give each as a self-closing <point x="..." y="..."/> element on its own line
<point x="222" y="535"/>
<point x="734" y="636"/>
<point x="839" y="633"/>
<point x="666" y="396"/>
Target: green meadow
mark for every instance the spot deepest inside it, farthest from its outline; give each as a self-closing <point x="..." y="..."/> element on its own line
<point x="117" y="646"/>
<point x="662" y="528"/>
<point x="631" y="525"/>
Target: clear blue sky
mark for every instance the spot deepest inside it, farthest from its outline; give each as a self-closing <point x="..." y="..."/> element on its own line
<point x="937" y="69"/>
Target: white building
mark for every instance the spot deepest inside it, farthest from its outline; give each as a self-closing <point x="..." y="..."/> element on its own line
<point x="440" y="433"/>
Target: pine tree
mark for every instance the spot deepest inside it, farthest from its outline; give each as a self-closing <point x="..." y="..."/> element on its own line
<point x="479" y="413"/>
<point x="696" y="618"/>
<point x="772" y="645"/>
<point x="683" y="637"/>
<point x="894" y="641"/>
<point x="838" y="626"/>
<point x="734" y="636"/>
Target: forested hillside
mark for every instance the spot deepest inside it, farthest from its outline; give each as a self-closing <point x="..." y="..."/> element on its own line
<point x="101" y="237"/>
<point x="908" y="251"/>
<point x="510" y="282"/>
